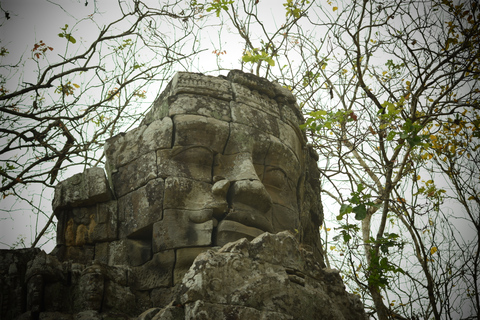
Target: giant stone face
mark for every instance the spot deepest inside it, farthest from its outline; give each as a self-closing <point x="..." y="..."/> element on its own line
<point x="216" y="159"/>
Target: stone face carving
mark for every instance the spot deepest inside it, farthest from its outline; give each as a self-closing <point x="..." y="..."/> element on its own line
<point x="217" y="162"/>
<point x="216" y="159"/>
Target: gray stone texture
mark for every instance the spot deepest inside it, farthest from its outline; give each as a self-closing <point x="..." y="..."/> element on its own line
<point x="215" y="173"/>
<point x="82" y="189"/>
<point x="139" y="209"/>
<point x="267" y="277"/>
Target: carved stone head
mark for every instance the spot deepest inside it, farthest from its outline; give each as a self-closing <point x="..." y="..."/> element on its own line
<point x="215" y="160"/>
<point x="91" y="286"/>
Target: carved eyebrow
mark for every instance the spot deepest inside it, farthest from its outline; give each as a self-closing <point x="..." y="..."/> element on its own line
<point x="180" y="149"/>
<point x="275" y="168"/>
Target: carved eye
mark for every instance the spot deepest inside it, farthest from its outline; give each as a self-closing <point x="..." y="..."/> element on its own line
<point x="275" y="177"/>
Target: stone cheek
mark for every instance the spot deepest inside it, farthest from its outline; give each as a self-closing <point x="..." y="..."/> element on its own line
<point x="292" y="137"/>
<point x="280" y="156"/>
<point x="138" y="210"/>
<point x="282" y="189"/>
<point x="184" y="193"/>
<point x="188" y="162"/>
<point x="284" y="218"/>
<point x="183" y="228"/>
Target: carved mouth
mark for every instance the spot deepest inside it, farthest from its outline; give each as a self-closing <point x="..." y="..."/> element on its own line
<point x="229" y="231"/>
<point x="249" y="217"/>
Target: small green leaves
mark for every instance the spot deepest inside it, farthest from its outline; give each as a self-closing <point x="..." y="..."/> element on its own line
<point x="392" y="66"/>
<point x="295" y="8"/>
<point x="360" y="212"/>
<point x="309" y="78"/>
<point x="320" y="119"/>
<point x="67" y="89"/>
<point x="125" y="43"/>
<point x="381" y="266"/>
<point x="344" y="209"/>
<point x="219" y="5"/>
<point x="346" y="231"/>
<point x="392" y="108"/>
<point x="256" y="56"/>
<point x="358" y="204"/>
<point x="391" y="135"/>
<point x="66" y="35"/>
<point x="3" y="52"/>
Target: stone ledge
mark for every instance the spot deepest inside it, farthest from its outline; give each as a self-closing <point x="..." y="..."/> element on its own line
<point x="82" y="189"/>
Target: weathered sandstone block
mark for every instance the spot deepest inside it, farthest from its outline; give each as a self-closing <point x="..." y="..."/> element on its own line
<point x="82" y="189"/>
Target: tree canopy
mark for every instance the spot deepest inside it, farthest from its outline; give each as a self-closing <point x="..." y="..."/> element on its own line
<point x="390" y="94"/>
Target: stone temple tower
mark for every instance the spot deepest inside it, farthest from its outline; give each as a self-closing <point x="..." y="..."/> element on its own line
<point x="210" y="209"/>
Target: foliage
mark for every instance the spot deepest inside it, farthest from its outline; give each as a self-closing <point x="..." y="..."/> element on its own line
<point x="391" y="98"/>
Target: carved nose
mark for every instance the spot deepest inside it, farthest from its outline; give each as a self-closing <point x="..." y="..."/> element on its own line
<point x="250" y="205"/>
<point x="250" y="193"/>
<point x="249" y="202"/>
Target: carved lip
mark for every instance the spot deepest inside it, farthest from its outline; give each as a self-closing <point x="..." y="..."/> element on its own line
<point x="250" y="217"/>
<point x="229" y="230"/>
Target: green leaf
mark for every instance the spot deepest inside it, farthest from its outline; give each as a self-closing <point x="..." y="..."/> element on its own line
<point x="360" y="212"/>
<point x="391" y="135"/>
<point x="345" y="208"/>
<point x="70" y="38"/>
<point x="416" y="140"/>
<point x="318" y="113"/>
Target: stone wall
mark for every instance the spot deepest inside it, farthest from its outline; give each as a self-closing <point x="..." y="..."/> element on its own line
<point x="216" y="163"/>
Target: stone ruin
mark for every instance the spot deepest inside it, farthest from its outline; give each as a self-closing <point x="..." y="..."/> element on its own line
<point x="210" y="209"/>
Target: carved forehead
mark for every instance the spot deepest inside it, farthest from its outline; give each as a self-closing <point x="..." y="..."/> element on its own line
<point x="238" y="114"/>
<point x="239" y="97"/>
